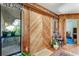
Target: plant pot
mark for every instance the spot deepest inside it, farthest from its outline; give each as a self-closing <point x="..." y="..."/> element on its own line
<point x="56" y="46"/>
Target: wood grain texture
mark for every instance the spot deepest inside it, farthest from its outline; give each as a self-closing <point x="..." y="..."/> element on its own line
<point x="40" y="9"/>
<point x="37" y="30"/>
<point x="62" y="28"/>
<point x="36" y="38"/>
<point x="47" y="36"/>
<point x="40" y="31"/>
<point x="70" y="16"/>
<point x="25" y="30"/>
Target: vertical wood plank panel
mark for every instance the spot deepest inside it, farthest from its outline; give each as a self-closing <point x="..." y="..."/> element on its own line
<point x="25" y="30"/>
<point x="62" y="28"/>
<point x="37" y="30"/>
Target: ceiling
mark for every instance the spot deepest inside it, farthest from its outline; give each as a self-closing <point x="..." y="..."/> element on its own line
<point x="62" y="8"/>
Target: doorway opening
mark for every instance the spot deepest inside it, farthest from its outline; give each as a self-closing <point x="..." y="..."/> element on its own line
<point x="71" y="31"/>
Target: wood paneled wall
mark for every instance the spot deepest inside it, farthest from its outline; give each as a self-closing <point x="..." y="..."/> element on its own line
<point x="47" y="26"/>
<point x="40" y="31"/>
<point x="61" y="26"/>
<point x="36" y="30"/>
<point x="40" y="9"/>
<point x="36" y="27"/>
<point x="25" y="30"/>
<point x="70" y="16"/>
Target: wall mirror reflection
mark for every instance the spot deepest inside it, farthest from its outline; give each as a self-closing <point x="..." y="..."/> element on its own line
<point x="10" y="30"/>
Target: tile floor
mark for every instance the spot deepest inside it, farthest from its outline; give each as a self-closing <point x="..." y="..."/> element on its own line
<point x="66" y="50"/>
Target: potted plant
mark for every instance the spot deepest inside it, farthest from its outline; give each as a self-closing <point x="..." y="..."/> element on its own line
<point x="55" y="44"/>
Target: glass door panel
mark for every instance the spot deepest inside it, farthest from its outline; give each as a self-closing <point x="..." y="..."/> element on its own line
<point x="10" y="30"/>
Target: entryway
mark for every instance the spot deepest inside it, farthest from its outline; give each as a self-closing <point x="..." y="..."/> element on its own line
<point x="71" y="31"/>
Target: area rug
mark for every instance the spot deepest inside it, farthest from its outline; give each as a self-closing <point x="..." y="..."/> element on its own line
<point x="61" y="53"/>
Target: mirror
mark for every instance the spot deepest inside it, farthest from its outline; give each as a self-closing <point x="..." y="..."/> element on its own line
<point x="10" y="30"/>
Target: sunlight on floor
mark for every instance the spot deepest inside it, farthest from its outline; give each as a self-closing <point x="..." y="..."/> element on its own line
<point x="44" y="52"/>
